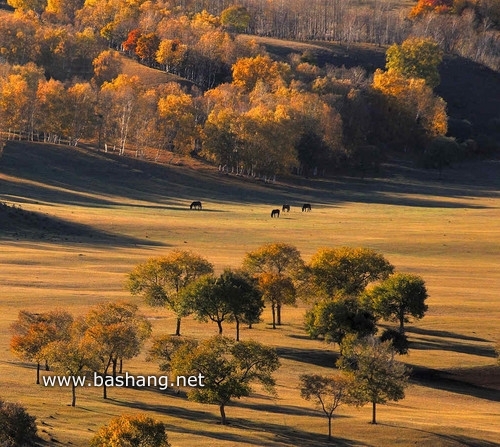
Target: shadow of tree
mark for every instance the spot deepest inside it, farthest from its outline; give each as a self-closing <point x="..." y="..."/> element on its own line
<point x="318" y="357"/>
<point x="456" y="381"/>
<point x="443" y="334"/>
<point x="450" y="341"/>
<point x="273" y="435"/>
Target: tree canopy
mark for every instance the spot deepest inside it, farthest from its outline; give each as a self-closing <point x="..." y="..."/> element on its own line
<point x="376" y="376"/>
<point x="398" y="298"/>
<point x="131" y="431"/>
<point x="160" y="280"/>
<point x="228" y="368"/>
<point x="346" y="269"/>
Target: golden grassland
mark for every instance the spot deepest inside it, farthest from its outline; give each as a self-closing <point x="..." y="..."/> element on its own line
<point x="99" y="215"/>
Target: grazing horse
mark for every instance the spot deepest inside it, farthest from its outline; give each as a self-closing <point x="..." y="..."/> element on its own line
<point x="306" y="207"/>
<point x="195" y="206"/>
<point x="275" y="213"/>
<point x="286" y="208"/>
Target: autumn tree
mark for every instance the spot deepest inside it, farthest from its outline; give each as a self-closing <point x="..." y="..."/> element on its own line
<point x="248" y="71"/>
<point x="118" y="332"/>
<point x="18" y="38"/>
<point x="171" y="54"/>
<point x="235" y="18"/>
<point x="131" y="431"/>
<point x="416" y="58"/>
<point x="328" y="392"/>
<point x="376" y="376"/>
<point x="228" y="368"/>
<point x="409" y="114"/>
<point x="177" y="121"/>
<point x="346" y="269"/>
<point x="164" y="347"/>
<point x="146" y="48"/>
<point x="117" y="102"/>
<point x="17" y="426"/>
<point x="33" y="331"/>
<point x="160" y="280"/>
<point x="398" y="298"/>
<point x="106" y="66"/>
<point x="278" y="268"/>
<point x="74" y="357"/>
<point x="18" y="98"/>
<point x="426" y="6"/>
<point x="232" y="296"/>
<point x="130" y="44"/>
<point x="54" y="114"/>
<point x="81" y="110"/>
<point x="335" y="318"/>
<point x="37" y="6"/>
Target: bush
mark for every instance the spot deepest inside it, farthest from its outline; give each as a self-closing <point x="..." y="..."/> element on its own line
<point x="441" y="152"/>
<point x="131" y="431"/>
<point x="17" y="427"/>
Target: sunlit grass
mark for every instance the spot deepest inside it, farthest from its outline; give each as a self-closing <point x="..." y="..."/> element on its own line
<point x="448" y="232"/>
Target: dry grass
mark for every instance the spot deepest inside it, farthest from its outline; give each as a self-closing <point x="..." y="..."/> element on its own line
<point x="105" y="214"/>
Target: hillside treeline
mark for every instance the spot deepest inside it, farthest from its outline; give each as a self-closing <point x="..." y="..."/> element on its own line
<point x="246" y="112"/>
<point x="469" y="28"/>
<point x="273" y="117"/>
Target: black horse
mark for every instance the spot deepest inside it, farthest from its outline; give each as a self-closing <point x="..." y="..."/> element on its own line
<point x="195" y="206"/>
<point x="286" y="208"/>
<point x="275" y="213"/>
<point x="306" y="207"/>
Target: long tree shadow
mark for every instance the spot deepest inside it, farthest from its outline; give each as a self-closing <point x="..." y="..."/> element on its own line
<point x="444" y="334"/>
<point x="450" y="341"/>
<point x="463" y="440"/>
<point x="318" y="357"/>
<point x="455" y="382"/>
<point x="273" y="434"/>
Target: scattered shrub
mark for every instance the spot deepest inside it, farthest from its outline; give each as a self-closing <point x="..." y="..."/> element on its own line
<point x="17" y="427"/>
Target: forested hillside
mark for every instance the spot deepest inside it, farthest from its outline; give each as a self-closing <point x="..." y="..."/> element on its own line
<point x="239" y="103"/>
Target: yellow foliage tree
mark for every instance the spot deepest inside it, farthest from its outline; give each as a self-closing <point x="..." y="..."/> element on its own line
<point x="410" y="107"/>
<point x="248" y="71"/>
<point x="416" y="58"/>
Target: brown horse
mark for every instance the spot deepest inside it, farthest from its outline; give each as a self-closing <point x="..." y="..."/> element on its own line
<point x="195" y="206"/>
<point x="286" y="208"/>
<point x="306" y="207"/>
<point x="275" y="213"/>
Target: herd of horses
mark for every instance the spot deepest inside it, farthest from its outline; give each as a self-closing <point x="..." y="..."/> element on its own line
<point x="274" y="213"/>
<point x="286" y="208"/>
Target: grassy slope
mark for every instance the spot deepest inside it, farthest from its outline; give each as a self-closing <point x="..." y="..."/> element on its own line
<point x="104" y="214"/>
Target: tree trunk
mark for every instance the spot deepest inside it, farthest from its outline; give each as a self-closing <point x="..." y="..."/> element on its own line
<point x="38" y="373"/>
<point x="273" y="309"/>
<point x="104" y="388"/>
<point x="47" y="366"/>
<point x="374" y="412"/>
<point x="73" y="393"/>
<point x="330" y="428"/>
<point x="278" y="314"/>
<point x="115" y="363"/>
<point x="401" y="324"/>
<point x="219" y="324"/>
<point x="178" y="327"/>
<point x="223" y="419"/>
<point x="121" y="365"/>
<point x="237" y="329"/>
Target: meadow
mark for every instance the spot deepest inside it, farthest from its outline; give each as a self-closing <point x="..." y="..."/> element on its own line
<point x="90" y="217"/>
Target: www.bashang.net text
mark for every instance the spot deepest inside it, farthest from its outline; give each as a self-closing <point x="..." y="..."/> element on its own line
<point x="126" y="381"/>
